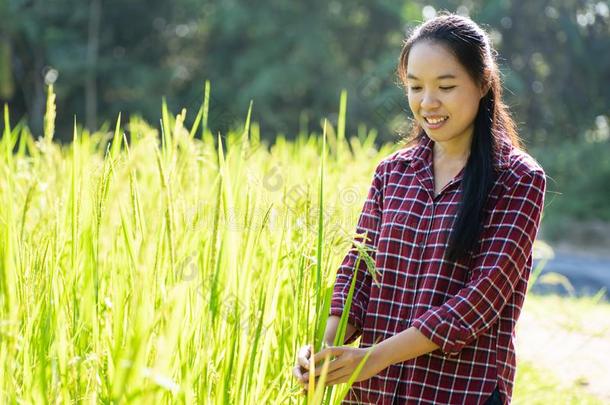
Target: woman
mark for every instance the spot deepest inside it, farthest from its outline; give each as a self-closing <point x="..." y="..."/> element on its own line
<point x="450" y="220"/>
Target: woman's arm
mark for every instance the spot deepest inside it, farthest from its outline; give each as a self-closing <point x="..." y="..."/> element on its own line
<point x="406" y="345"/>
<point x="331" y="330"/>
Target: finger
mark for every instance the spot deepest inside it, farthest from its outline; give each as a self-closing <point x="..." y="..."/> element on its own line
<point x="303" y="356"/>
<point x="339" y="379"/>
<point x="331" y="374"/>
<point x="305" y="351"/>
<point x="339" y="376"/>
<point x="333" y="366"/>
<point x="329" y="351"/>
<point x="297" y="372"/>
<point x="302" y="381"/>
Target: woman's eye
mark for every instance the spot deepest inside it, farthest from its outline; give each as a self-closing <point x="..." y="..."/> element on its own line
<point x="418" y="88"/>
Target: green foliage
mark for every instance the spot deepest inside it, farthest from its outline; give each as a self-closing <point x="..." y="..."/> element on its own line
<point x="293" y="58"/>
<point x="578" y="177"/>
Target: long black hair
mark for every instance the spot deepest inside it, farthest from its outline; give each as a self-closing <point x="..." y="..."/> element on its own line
<point x="472" y="48"/>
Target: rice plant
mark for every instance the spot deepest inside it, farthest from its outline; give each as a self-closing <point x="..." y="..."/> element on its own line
<point x="172" y="265"/>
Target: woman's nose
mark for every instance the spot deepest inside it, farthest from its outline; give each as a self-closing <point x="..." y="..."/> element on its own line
<point x="429" y="100"/>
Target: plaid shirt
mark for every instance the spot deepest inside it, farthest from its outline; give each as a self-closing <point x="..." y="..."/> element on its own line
<point x="468" y="308"/>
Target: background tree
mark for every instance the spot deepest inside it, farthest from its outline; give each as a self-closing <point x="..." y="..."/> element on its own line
<point x="292" y="59"/>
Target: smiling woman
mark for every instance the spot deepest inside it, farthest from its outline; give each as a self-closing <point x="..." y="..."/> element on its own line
<point x="451" y="220"/>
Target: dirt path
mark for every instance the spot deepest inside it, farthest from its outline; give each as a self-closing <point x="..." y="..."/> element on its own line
<point x="570" y="338"/>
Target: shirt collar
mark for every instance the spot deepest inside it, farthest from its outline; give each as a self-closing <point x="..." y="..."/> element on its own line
<point x="422" y="152"/>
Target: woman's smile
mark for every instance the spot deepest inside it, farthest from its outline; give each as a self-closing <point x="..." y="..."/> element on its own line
<point x="435" y="122"/>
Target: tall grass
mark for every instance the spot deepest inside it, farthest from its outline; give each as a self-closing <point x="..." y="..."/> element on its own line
<point x="173" y="265"/>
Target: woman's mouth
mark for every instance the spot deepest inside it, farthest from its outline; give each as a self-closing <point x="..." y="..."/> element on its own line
<point x="435" y="122"/>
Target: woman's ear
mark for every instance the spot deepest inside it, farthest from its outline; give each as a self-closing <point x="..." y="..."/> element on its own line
<point x="484" y="89"/>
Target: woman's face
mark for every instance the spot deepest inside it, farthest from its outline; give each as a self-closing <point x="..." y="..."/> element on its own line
<point x="443" y="97"/>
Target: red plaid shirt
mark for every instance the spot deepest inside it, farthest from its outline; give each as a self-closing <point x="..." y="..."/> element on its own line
<point x="469" y="307"/>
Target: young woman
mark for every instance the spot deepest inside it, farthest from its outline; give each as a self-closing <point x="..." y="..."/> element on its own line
<point x="450" y="221"/>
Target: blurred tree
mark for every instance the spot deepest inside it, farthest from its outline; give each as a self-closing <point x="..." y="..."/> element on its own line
<point x="296" y="56"/>
<point x="556" y="57"/>
<point x="291" y="57"/>
<point x="22" y="58"/>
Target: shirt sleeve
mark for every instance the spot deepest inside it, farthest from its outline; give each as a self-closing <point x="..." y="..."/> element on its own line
<point x="506" y="246"/>
<point x="368" y="224"/>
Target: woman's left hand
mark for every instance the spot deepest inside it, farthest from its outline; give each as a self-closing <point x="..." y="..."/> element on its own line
<point x="346" y="360"/>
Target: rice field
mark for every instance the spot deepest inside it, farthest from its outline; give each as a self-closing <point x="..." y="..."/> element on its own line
<point x="171" y="264"/>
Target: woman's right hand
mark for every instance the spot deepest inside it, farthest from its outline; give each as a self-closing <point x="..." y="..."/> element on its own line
<point x="305" y="352"/>
<point x="302" y="365"/>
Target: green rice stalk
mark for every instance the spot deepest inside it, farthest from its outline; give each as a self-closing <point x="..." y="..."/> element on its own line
<point x="206" y="109"/>
<point x="196" y="123"/>
<point x="321" y="317"/>
<point x="49" y="116"/>
<point x="169" y="222"/>
<point x="341" y="124"/>
<point x="7" y="141"/>
<point x="116" y="140"/>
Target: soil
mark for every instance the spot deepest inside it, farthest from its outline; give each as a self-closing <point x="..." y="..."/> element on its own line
<point x="576" y="356"/>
